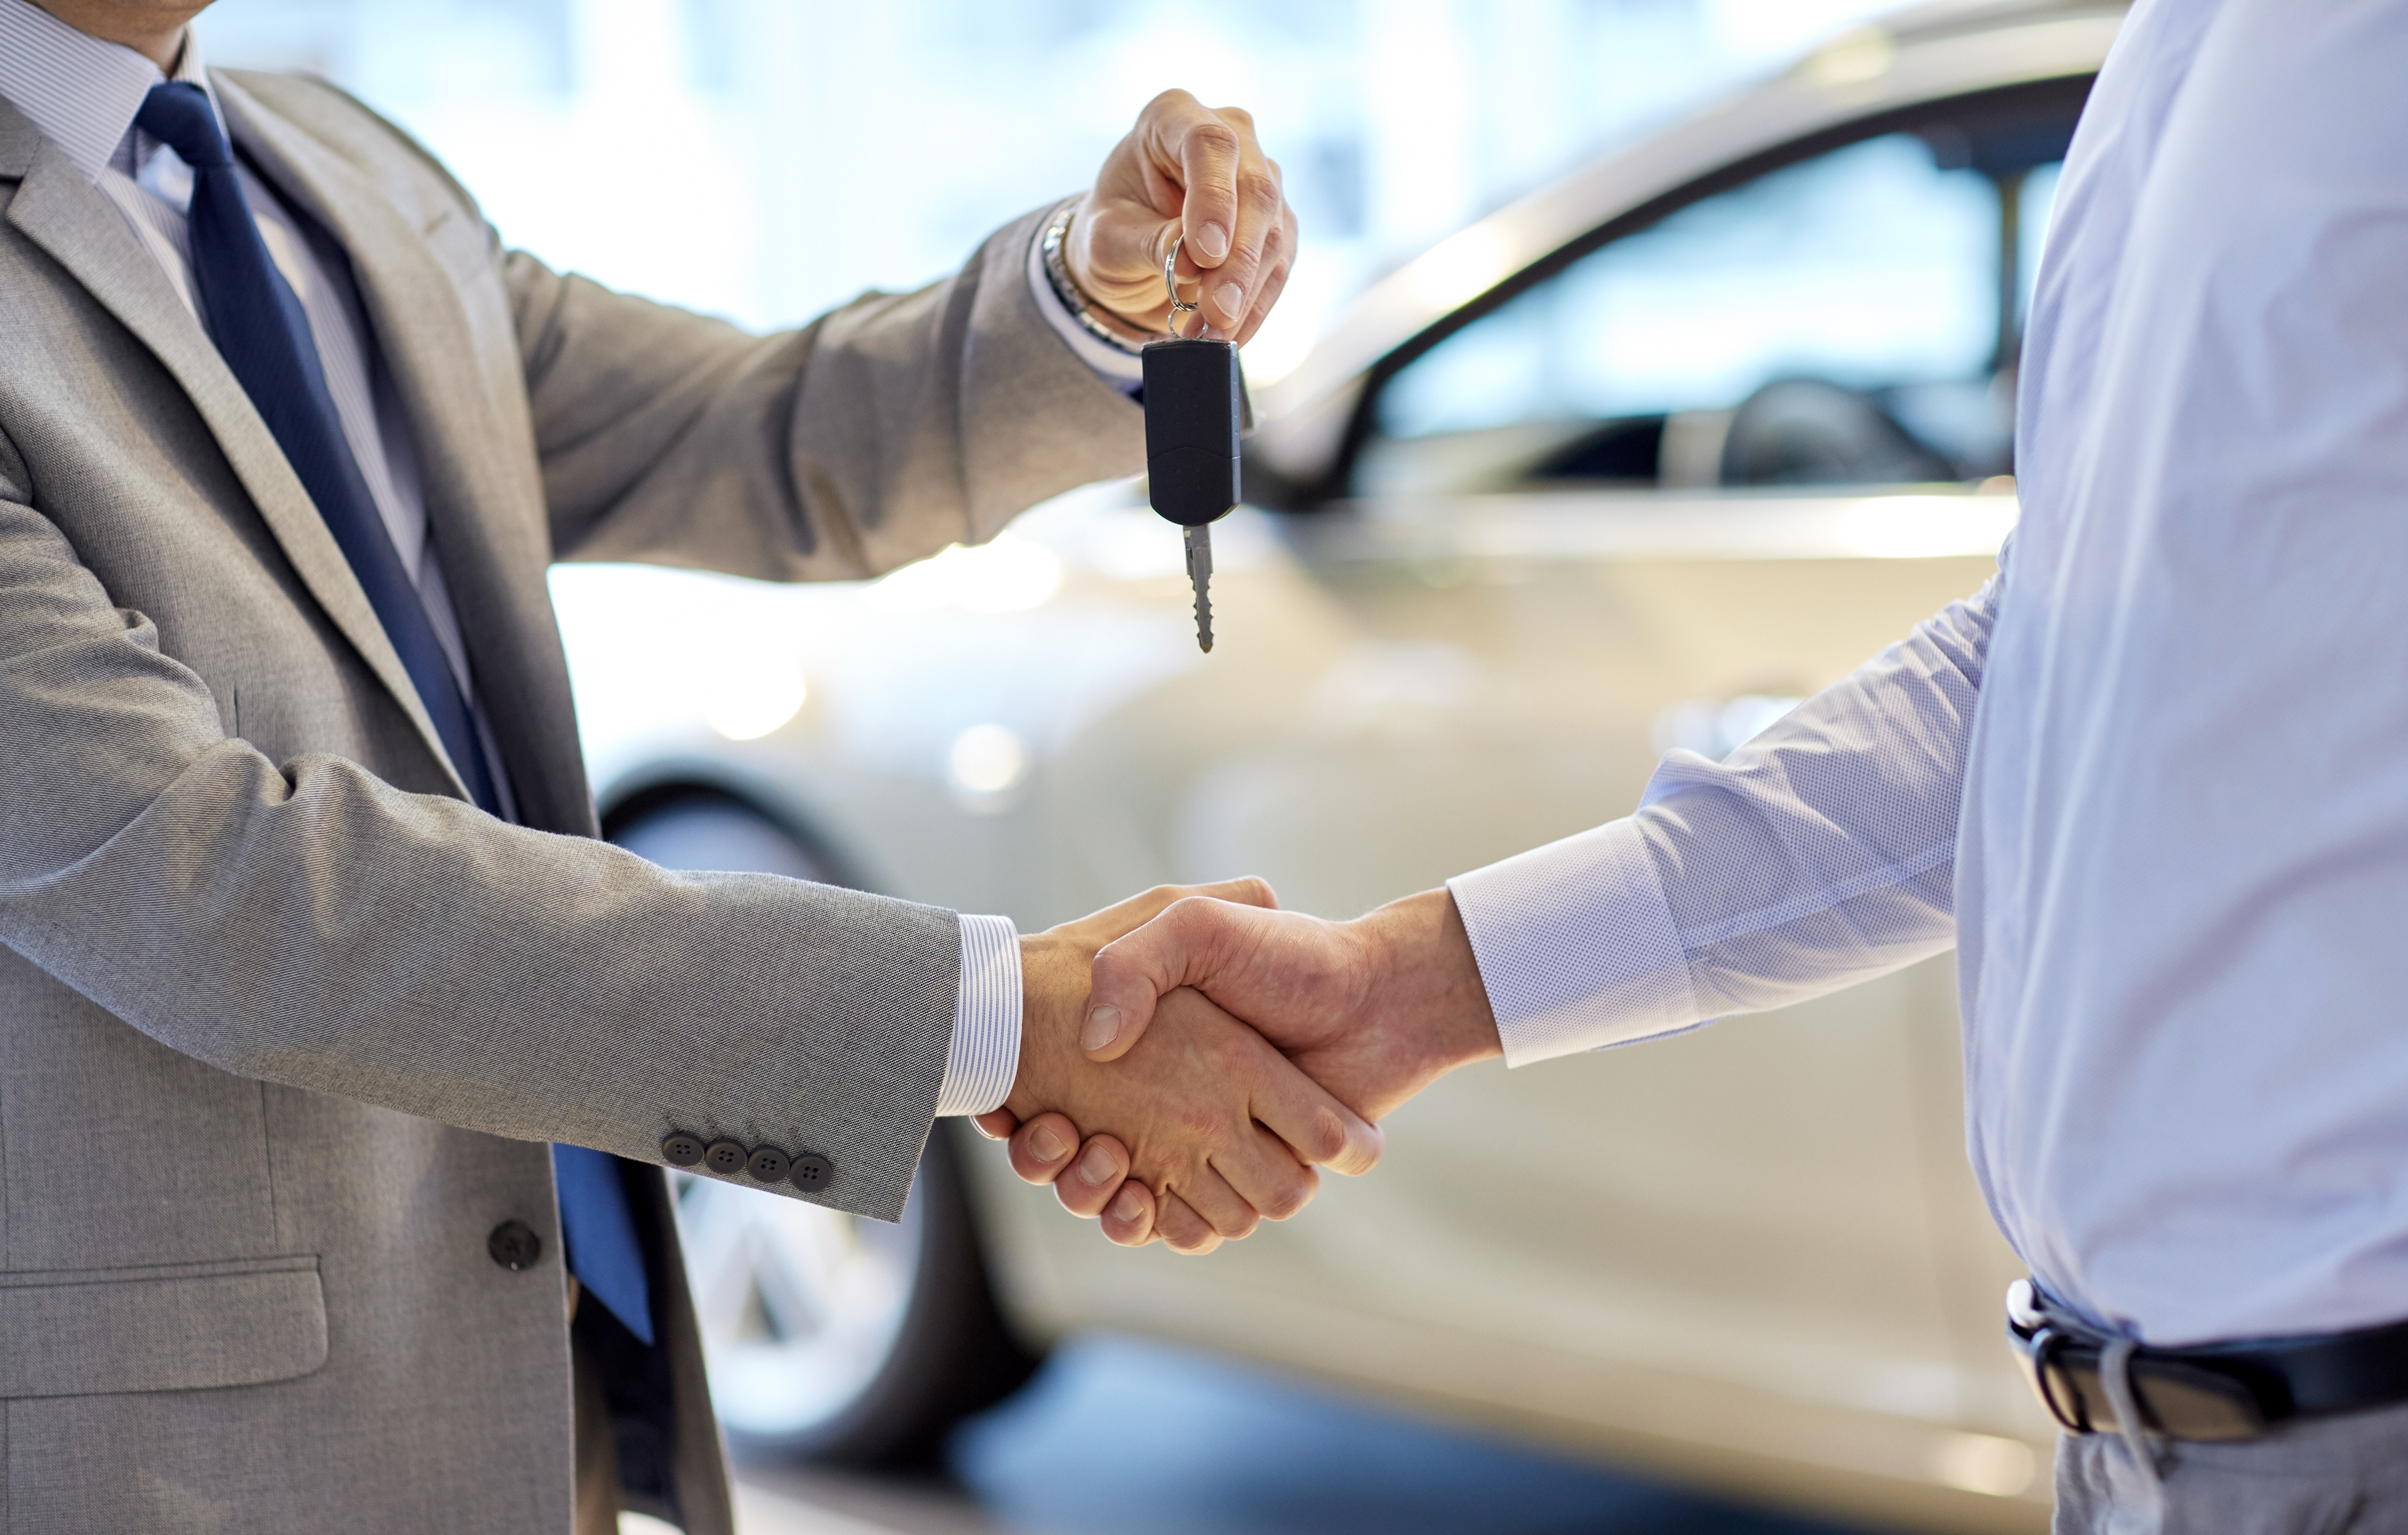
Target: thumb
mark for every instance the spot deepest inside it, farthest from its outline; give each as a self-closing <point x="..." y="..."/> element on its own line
<point x="1190" y="941"/>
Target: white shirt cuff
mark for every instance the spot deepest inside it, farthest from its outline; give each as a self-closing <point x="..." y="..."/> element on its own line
<point x="1576" y="945"/>
<point x="1117" y="369"/>
<point x="984" y="1056"/>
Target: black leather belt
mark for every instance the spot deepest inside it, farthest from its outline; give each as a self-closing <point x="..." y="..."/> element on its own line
<point x="2213" y="1391"/>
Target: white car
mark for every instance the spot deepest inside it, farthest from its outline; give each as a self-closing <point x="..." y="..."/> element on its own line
<point x="1630" y="464"/>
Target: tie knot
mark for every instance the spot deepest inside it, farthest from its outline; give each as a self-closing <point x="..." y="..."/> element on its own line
<point x="180" y="116"/>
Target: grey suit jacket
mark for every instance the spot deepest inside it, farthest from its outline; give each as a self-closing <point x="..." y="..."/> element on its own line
<point x="284" y="1022"/>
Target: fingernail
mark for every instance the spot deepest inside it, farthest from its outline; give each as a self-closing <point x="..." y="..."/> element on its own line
<point x="1127" y="1207"/>
<point x="1103" y="1027"/>
<point x="1232" y="300"/>
<point x="1096" y="1167"/>
<point x="1212" y="240"/>
<point x="1045" y="1145"/>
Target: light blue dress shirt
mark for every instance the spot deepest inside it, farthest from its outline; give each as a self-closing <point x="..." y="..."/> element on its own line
<point x="82" y="94"/>
<point x="2152" y="780"/>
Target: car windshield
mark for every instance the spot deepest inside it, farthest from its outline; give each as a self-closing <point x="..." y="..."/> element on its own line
<point x="1836" y="321"/>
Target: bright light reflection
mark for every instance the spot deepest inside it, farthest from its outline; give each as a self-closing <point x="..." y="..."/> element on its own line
<point x="1984" y="1463"/>
<point x="1007" y="575"/>
<point x="748" y="699"/>
<point x="986" y="762"/>
<point x="1461" y="266"/>
<point x="1276" y="350"/>
<point x="1912" y="527"/>
<point x="1861" y="55"/>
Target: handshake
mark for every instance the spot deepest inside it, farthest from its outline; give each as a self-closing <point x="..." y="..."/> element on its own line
<point x="1189" y="1056"/>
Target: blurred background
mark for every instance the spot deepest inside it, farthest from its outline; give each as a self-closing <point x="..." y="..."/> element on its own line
<point x="793" y="153"/>
<point x="764" y="160"/>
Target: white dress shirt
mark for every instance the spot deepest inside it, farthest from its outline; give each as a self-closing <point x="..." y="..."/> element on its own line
<point x="82" y="93"/>
<point x="2152" y="780"/>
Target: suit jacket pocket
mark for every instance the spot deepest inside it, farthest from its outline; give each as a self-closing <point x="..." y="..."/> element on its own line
<point x="79" y="1332"/>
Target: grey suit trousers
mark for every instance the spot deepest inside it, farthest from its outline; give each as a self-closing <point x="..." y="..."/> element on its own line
<point x="2345" y="1475"/>
<point x="285" y="1024"/>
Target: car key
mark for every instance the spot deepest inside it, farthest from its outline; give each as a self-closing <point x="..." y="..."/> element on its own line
<point x="1192" y="394"/>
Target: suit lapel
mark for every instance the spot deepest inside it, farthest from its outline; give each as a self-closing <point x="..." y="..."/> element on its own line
<point x="484" y="498"/>
<point x="73" y="220"/>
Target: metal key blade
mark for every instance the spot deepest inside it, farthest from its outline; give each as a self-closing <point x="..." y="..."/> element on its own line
<point x="1199" y="574"/>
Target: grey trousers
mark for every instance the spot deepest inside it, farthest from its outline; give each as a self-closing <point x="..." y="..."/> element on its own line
<point x="2319" y="1477"/>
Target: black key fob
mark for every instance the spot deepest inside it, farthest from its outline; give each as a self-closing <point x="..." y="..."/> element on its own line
<point x="1192" y="391"/>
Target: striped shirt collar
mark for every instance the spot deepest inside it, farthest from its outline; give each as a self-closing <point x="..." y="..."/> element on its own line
<point x="80" y="92"/>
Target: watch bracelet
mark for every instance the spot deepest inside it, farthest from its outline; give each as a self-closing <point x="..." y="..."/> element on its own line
<point x="1066" y="288"/>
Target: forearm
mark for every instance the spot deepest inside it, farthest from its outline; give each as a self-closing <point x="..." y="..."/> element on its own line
<point x="309" y="923"/>
<point x="330" y="932"/>
<point x="1823" y="853"/>
<point x="1818" y="854"/>
<point x="877" y="434"/>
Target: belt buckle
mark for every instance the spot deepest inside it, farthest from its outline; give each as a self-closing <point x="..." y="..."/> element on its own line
<point x="2051" y="1383"/>
<point x="2181" y="1399"/>
<point x="2037" y="1346"/>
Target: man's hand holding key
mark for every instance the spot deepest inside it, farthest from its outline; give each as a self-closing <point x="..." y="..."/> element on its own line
<point x="1190" y="195"/>
<point x="1190" y="177"/>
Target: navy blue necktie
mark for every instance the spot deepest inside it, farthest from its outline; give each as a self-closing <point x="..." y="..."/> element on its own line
<point x="263" y="335"/>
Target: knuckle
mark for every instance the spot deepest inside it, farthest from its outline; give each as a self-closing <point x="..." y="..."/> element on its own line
<point x="1258" y="191"/>
<point x="1327" y="1133"/>
<point x="1287" y="1201"/>
<point x="1213" y="138"/>
<point x="1190" y="918"/>
<point x="1201" y="1123"/>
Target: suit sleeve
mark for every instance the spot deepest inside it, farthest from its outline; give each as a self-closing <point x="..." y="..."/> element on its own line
<point x="1820" y="853"/>
<point x="312" y="924"/>
<point x="876" y="434"/>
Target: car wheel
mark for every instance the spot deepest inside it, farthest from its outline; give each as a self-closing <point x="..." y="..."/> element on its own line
<point x="827" y="1336"/>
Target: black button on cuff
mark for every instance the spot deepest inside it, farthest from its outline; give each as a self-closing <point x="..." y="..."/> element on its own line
<point x="681" y="1150"/>
<point x="810" y="1172"/>
<point x="768" y="1164"/>
<point x="726" y="1158"/>
<point x="515" y="1246"/>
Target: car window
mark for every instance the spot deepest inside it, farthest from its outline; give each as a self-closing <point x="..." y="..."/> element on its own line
<point x="1834" y="321"/>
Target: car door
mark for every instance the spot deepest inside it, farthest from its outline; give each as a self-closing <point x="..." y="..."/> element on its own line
<point x="1685" y="479"/>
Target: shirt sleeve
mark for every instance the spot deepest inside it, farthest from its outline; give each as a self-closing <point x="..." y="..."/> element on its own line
<point x="984" y="1056"/>
<point x="1820" y="853"/>
<point x="1118" y="369"/>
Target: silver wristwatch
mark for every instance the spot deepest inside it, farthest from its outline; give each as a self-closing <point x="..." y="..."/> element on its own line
<point x="1057" y="272"/>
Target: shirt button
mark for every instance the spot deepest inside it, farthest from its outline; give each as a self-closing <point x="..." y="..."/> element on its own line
<point x="811" y="1173"/>
<point x="768" y="1164"/>
<point x="725" y="1158"/>
<point x="515" y="1246"/>
<point x="681" y="1150"/>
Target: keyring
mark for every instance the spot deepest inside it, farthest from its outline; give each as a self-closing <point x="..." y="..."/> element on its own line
<point x="1178" y="306"/>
